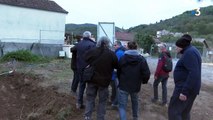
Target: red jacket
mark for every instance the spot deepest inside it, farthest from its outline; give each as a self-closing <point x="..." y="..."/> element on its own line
<point x="161" y="60"/>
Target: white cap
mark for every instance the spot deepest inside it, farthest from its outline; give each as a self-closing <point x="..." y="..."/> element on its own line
<point x="162" y="45"/>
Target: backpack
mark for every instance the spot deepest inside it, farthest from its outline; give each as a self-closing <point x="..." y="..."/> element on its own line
<point x="168" y="65"/>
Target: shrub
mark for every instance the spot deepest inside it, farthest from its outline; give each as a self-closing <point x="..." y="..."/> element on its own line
<point x="23" y="55"/>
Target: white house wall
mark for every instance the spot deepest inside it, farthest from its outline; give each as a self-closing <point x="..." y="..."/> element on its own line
<point x="25" y="25"/>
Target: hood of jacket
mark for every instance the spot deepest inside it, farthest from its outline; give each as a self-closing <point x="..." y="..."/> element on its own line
<point x="131" y="57"/>
<point x="132" y="52"/>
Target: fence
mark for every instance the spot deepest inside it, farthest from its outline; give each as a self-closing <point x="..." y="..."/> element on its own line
<point x="49" y="50"/>
<point x="206" y="55"/>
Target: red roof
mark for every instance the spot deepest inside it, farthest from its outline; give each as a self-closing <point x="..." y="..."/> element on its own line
<point x="123" y="36"/>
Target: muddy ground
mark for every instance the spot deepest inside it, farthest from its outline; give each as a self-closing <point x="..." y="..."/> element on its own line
<point x="42" y="92"/>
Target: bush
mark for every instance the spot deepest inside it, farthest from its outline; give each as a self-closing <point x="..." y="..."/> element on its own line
<point x="23" y="55"/>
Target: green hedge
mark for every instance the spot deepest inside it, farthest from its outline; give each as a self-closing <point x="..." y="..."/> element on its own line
<point x="23" y="55"/>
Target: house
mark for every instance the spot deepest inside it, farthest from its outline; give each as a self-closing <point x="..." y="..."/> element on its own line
<point x="36" y="25"/>
<point x="124" y="37"/>
<point x="162" y="32"/>
<point x="206" y="50"/>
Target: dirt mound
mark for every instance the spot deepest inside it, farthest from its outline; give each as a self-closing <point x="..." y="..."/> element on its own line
<point x="22" y="98"/>
<point x="41" y="92"/>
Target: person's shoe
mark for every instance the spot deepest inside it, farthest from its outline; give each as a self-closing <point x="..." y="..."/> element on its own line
<point x="73" y="93"/>
<point x="80" y="106"/>
<point x="114" y="106"/>
<point x="154" y="100"/>
<point x="164" y="104"/>
<point x="87" y="118"/>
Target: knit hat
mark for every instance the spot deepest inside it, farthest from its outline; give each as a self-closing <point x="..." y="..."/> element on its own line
<point x="184" y="41"/>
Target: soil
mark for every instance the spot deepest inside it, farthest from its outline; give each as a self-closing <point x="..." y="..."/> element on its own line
<point x="42" y="92"/>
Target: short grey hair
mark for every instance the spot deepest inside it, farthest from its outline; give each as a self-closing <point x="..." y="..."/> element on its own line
<point x="87" y="34"/>
<point x="103" y="41"/>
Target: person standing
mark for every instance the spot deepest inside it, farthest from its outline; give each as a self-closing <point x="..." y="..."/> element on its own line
<point x="75" y="80"/>
<point x="187" y="79"/>
<point x="83" y="46"/>
<point x="132" y="71"/>
<point x="106" y="62"/>
<point x="160" y="75"/>
<point x="119" y="51"/>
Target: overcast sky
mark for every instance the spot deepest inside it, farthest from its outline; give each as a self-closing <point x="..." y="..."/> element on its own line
<point x="126" y="13"/>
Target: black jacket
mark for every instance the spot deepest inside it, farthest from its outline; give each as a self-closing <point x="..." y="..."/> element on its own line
<point x="74" y="58"/>
<point x="104" y="66"/>
<point x="133" y="70"/>
<point x="82" y="47"/>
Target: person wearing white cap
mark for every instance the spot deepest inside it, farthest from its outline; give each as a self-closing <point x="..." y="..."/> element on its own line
<point x="161" y="76"/>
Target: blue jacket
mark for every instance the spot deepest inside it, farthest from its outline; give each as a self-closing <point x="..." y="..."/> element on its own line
<point x="187" y="72"/>
<point x="82" y="47"/>
<point x="119" y="53"/>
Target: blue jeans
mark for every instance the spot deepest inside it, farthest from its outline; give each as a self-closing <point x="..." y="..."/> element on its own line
<point x="91" y="92"/>
<point x="123" y="99"/>
<point x="163" y="80"/>
<point x="81" y="87"/>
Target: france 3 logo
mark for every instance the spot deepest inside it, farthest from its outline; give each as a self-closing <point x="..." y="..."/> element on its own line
<point x="196" y="12"/>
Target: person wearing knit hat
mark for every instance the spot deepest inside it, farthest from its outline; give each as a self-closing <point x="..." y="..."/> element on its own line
<point x="187" y="79"/>
<point x="184" y="41"/>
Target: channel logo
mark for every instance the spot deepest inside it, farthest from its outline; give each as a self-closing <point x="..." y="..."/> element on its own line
<point x="196" y="12"/>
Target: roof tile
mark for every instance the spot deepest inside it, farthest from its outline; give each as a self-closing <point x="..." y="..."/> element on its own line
<point x="48" y="5"/>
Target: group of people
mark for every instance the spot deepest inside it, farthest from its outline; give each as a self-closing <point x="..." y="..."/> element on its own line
<point x="125" y="70"/>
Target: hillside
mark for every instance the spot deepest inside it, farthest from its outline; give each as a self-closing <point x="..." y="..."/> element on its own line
<point x="187" y="22"/>
<point x="198" y="26"/>
<point x="78" y="29"/>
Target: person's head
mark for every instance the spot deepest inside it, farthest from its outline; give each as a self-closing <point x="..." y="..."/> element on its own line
<point x="132" y="45"/>
<point x="103" y="42"/>
<point x="87" y="34"/>
<point x="161" y="47"/>
<point x="117" y="44"/>
<point x="183" y="42"/>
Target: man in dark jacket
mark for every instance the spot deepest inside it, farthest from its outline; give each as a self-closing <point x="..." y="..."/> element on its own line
<point x="133" y="70"/>
<point x="161" y="75"/>
<point x="82" y="47"/>
<point x="104" y="66"/>
<point x="75" y="79"/>
<point x="187" y="78"/>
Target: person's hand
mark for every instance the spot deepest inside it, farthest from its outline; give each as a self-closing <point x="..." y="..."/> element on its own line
<point x="155" y="77"/>
<point x="182" y="97"/>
